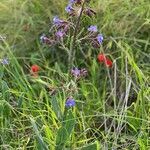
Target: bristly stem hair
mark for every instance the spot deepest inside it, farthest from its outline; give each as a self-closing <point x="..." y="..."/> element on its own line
<point x="72" y="49"/>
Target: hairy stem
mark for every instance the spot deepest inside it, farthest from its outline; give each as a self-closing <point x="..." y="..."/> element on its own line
<point x="73" y="43"/>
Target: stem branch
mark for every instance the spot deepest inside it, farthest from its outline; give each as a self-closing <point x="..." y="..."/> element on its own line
<point x="72" y="51"/>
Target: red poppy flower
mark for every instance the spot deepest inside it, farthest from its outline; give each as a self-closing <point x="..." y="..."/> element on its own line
<point x="35" y="68"/>
<point x="108" y="63"/>
<point x="101" y="57"/>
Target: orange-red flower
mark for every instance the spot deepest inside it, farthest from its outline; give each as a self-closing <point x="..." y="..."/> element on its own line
<point x="35" y="69"/>
<point x="103" y="59"/>
<point x="108" y="63"/>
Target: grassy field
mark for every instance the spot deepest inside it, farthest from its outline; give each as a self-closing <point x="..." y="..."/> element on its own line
<point x="112" y="110"/>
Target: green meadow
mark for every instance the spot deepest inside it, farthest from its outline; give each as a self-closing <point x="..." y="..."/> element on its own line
<point x="112" y="104"/>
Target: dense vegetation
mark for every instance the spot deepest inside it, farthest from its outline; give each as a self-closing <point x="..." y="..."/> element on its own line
<point x="112" y="104"/>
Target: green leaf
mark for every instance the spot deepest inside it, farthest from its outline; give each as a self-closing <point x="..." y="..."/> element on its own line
<point x="65" y="131"/>
<point x="56" y="108"/>
<point x="92" y="146"/>
<point x="1" y="72"/>
<point x="42" y="145"/>
<point x="5" y="90"/>
<point x="61" y="138"/>
<point x="69" y="122"/>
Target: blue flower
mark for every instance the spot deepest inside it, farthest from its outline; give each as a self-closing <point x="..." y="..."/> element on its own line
<point x="57" y="21"/>
<point x="92" y="28"/>
<point x="100" y="38"/>
<point x="70" y="102"/>
<point x="69" y="8"/>
<point x="5" y="61"/>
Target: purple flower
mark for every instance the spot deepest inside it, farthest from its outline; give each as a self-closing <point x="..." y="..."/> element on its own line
<point x="59" y="34"/>
<point x="45" y="39"/>
<point x="72" y="1"/>
<point x="100" y="38"/>
<point x="57" y="21"/>
<point x="92" y="28"/>
<point x="79" y="73"/>
<point x="75" y="1"/>
<point x="70" y="102"/>
<point x="69" y="8"/>
<point x="5" y="61"/>
<point x="42" y="38"/>
<point x="76" y="72"/>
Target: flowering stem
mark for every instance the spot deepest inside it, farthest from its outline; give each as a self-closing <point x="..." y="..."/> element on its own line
<point x="72" y="51"/>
